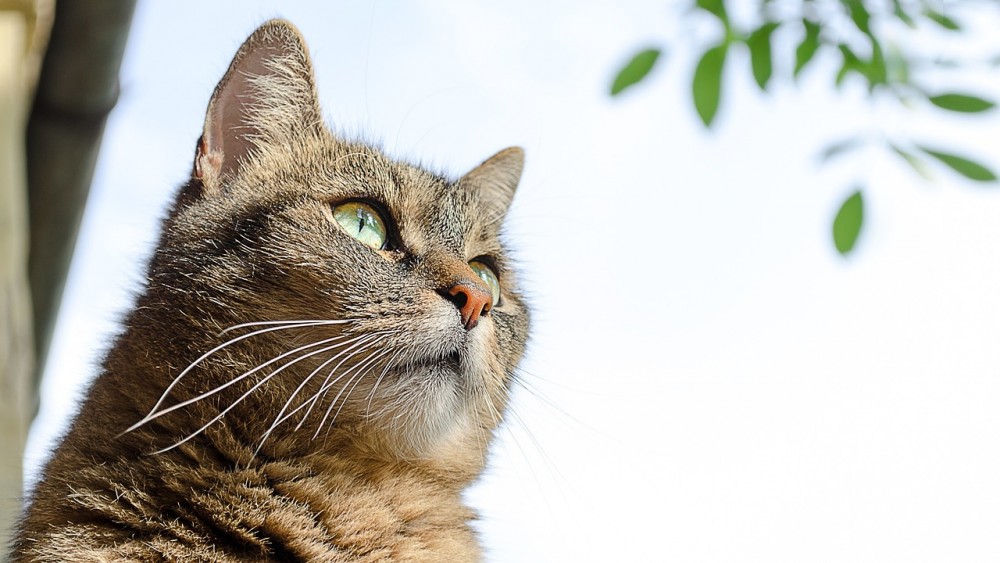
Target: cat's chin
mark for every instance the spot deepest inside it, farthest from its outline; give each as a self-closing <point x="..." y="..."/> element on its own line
<point x="423" y="409"/>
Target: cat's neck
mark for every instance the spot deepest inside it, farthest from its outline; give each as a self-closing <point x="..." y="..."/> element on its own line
<point x="325" y="504"/>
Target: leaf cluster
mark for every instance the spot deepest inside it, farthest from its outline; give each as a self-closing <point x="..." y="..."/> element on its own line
<point x="852" y="33"/>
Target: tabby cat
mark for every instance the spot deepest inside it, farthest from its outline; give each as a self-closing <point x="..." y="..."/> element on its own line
<point x="318" y="361"/>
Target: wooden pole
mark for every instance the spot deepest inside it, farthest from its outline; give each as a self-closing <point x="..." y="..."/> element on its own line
<point x="77" y="89"/>
<point x="24" y="26"/>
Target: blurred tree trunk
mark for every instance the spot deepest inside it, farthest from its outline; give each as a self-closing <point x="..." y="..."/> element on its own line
<point x="77" y="89"/>
<point x="24" y="28"/>
<point x="47" y="158"/>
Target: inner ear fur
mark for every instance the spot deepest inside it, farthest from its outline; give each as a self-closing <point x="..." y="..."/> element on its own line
<point x="267" y="96"/>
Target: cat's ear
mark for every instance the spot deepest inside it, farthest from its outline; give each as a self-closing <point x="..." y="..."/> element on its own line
<point x="496" y="179"/>
<point x="267" y="96"/>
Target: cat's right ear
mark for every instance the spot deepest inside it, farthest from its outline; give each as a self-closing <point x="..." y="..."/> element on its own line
<point x="267" y="96"/>
<point x="496" y="179"/>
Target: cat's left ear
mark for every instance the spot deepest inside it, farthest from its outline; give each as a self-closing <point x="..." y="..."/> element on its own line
<point x="496" y="179"/>
<point x="267" y="96"/>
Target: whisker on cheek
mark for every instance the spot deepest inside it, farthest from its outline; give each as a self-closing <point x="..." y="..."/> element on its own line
<point x="327" y="384"/>
<point x="390" y="363"/>
<point x="315" y="322"/>
<point x="244" y="375"/>
<point x="368" y="363"/>
<point x="360" y="341"/>
<point x="246" y="394"/>
<point x="281" y="325"/>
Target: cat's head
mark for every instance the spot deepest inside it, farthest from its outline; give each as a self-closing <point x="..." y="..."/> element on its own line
<point x="384" y="299"/>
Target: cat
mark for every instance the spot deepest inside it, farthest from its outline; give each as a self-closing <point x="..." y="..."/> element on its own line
<point x="323" y="349"/>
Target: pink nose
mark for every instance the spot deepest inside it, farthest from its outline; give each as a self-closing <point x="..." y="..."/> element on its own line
<point x="472" y="301"/>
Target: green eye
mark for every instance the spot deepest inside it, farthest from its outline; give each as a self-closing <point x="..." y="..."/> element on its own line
<point x="362" y="222"/>
<point x="489" y="277"/>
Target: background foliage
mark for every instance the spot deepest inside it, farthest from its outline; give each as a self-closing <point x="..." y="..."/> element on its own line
<point x="873" y="41"/>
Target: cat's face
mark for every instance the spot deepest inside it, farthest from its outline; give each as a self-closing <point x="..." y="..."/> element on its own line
<point x="387" y="290"/>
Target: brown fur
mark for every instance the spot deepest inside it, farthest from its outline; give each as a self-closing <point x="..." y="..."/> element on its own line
<point x="251" y="239"/>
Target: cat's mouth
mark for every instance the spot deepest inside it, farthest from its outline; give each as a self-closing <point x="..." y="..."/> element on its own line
<point x="451" y="363"/>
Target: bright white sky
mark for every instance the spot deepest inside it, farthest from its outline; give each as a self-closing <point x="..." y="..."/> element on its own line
<point x="709" y="380"/>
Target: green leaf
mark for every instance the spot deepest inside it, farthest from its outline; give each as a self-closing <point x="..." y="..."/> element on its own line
<point x="851" y="63"/>
<point x="807" y="48"/>
<point x="962" y="165"/>
<point x="876" y="71"/>
<point x="847" y="223"/>
<point x="961" y="102"/>
<point x="859" y="15"/>
<point x="706" y="86"/>
<point x="840" y="147"/>
<point x="900" y="12"/>
<point x="635" y="70"/>
<point x="759" y="43"/>
<point x="942" y="20"/>
<point x="918" y="165"/>
<point x="715" y="7"/>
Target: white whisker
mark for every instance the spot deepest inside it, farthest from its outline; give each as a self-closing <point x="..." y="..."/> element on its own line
<point x="315" y="322"/>
<point x="245" y="395"/>
<point x="378" y="380"/>
<point x="358" y="341"/>
<point x="360" y="375"/>
<point x="327" y="384"/>
<point x="201" y="358"/>
<point x="246" y="374"/>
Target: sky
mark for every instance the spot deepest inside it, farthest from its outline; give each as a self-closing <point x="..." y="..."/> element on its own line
<point x="707" y="379"/>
